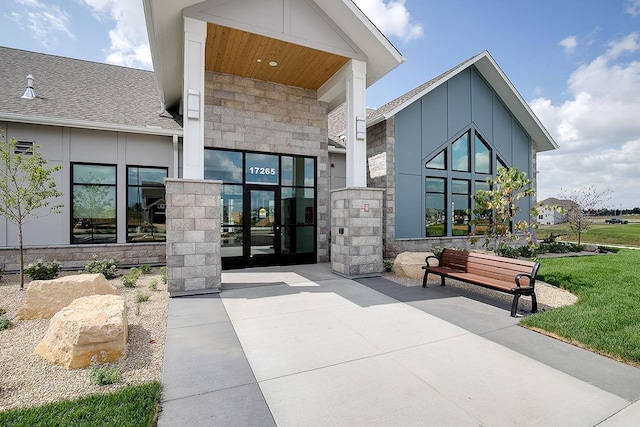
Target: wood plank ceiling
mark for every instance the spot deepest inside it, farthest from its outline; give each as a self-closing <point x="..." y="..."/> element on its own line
<point x="240" y="53"/>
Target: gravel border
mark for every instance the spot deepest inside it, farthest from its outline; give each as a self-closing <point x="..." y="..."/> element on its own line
<point x="27" y="380"/>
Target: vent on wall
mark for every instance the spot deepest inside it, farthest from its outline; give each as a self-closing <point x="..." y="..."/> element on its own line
<point x="24" y="147"/>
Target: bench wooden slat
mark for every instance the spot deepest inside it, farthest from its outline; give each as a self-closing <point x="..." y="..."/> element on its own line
<point x="489" y="271"/>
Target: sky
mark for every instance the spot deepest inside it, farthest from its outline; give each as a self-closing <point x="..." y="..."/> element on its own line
<point x="575" y="62"/>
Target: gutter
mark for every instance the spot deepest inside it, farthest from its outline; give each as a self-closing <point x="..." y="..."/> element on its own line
<point x="84" y="124"/>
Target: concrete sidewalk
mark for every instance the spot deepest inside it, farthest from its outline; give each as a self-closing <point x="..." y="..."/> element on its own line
<point x="301" y="346"/>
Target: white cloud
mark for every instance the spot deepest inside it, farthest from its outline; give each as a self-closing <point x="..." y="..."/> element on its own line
<point x="597" y="129"/>
<point x="129" y="42"/>
<point x="44" y="22"/>
<point x="569" y="44"/>
<point x="392" y="18"/>
<point x="633" y="7"/>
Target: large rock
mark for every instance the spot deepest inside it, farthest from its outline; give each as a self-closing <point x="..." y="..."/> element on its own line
<point x="46" y="297"/>
<point x="409" y="264"/>
<point x="90" y="327"/>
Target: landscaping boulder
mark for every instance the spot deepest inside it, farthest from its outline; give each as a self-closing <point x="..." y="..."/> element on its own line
<point x="591" y="248"/>
<point x="46" y="297"/>
<point x="409" y="264"/>
<point x="90" y="327"/>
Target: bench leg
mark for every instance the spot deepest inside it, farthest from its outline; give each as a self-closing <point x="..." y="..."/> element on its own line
<point x="424" y="279"/>
<point x="534" y="303"/>
<point x="441" y="280"/>
<point x="514" y="305"/>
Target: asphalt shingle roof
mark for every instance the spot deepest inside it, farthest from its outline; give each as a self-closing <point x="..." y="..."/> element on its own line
<point x="72" y="89"/>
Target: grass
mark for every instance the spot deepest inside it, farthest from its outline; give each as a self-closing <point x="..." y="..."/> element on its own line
<point x="131" y="406"/>
<point x="606" y="318"/>
<point x="600" y="233"/>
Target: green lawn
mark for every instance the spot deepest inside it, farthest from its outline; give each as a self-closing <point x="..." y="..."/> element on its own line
<point x="135" y="406"/>
<point x="606" y="317"/>
<point x="600" y="233"/>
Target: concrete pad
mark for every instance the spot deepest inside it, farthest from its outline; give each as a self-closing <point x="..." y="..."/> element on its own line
<point x="394" y="326"/>
<point x="369" y="392"/>
<point x="235" y="407"/>
<point x="195" y="310"/>
<point x="290" y="343"/>
<point x="248" y="303"/>
<point x="628" y="417"/>
<point x="503" y="387"/>
<point x="201" y="359"/>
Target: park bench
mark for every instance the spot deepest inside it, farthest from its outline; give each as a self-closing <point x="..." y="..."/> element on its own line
<point x="513" y="276"/>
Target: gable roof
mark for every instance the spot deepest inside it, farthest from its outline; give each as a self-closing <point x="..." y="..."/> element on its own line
<point x="491" y="72"/>
<point x="76" y="93"/>
<point x="335" y="26"/>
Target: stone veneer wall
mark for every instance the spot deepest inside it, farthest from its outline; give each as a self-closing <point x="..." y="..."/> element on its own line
<point x="356" y="232"/>
<point x="74" y="257"/>
<point x="254" y="115"/>
<point x="194" y="265"/>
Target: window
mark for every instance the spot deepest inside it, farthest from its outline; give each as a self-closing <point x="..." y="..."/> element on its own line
<point x="261" y="169"/>
<point x="146" y="204"/>
<point x="450" y="183"/>
<point x="460" y="154"/>
<point x="435" y="212"/>
<point x="482" y="156"/>
<point x="93" y="203"/>
<point x="222" y="165"/>
<point x="460" y="204"/>
<point x="298" y="205"/>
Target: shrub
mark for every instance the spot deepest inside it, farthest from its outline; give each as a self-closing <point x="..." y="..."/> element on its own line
<point x="129" y="280"/>
<point x="1" y="272"/>
<point x="163" y="274"/>
<point x="146" y="269"/>
<point x="142" y="298"/>
<point x="5" y="323"/>
<point x="134" y="272"/>
<point x="104" y="374"/>
<point x="388" y="265"/>
<point x="508" y="252"/>
<point x="108" y="267"/>
<point x="40" y="270"/>
<point x="2" y="311"/>
<point x="153" y="284"/>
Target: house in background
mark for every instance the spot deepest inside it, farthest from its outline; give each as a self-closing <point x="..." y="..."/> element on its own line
<point x="433" y="147"/>
<point x="547" y="215"/>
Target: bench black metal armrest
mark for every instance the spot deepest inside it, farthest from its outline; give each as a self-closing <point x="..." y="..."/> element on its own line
<point x="532" y="280"/>
<point x="426" y="260"/>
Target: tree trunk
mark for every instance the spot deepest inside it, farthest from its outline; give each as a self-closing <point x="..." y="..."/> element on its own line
<point x="21" y="256"/>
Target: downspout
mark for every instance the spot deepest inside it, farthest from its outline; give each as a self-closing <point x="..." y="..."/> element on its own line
<point x="175" y="156"/>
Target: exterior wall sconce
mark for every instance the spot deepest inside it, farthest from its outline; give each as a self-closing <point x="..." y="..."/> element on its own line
<point x="193" y="104"/>
<point x="361" y="128"/>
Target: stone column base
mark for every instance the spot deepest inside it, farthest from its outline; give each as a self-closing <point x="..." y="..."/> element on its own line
<point x="356" y="232"/>
<point x="194" y="263"/>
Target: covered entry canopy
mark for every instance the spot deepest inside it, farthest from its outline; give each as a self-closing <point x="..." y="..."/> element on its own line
<point x="302" y="43"/>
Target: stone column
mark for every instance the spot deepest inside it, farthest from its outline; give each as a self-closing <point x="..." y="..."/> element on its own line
<point x="194" y="264"/>
<point x="356" y="232"/>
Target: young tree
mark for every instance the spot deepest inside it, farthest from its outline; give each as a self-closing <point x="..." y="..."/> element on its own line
<point x="496" y="209"/>
<point x="587" y="203"/>
<point x="26" y="185"/>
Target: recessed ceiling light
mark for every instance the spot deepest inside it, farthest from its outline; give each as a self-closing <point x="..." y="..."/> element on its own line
<point x="259" y="60"/>
<point x="273" y="63"/>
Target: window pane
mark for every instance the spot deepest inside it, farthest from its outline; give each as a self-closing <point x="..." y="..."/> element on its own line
<point x="460" y="226"/>
<point x="297" y="206"/>
<point x="298" y="239"/>
<point x="501" y="163"/>
<point x="261" y="169"/>
<point x="94" y="174"/>
<point x="298" y="171"/>
<point x="435" y="185"/>
<point x="482" y="156"/>
<point x="223" y="165"/>
<point x="460" y="154"/>
<point x="146" y="204"/>
<point x="94" y="214"/>
<point x="438" y="162"/>
<point x="231" y="232"/>
<point x="435" y="215"/>
<point x="460" y="186"/>
<point x="482" y="185"/>
<point x="146" y="176"/>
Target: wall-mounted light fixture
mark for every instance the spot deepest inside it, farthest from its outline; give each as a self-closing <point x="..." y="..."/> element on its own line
<point x="361" y="128"/>
<point x="193" y="104"/>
